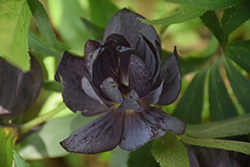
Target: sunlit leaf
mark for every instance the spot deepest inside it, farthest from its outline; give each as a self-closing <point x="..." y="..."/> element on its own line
<point x="186" y="14"/>
<point x="220" y="129"/>
<point x="208" y="4"/>
<point x="221" y="105"/>
<point x="239" y="52"/>
<point x="240" y="85"/>
<point x="96" y="31"/>
<point x="169" y="151"/>
<point x="235" y="17"/>
<point x="6" y="149"/>
<point x="42" y="19"/>
<point x="19" y="160"/>
<point x="230" y="145"/>
<point x="15" y="20"/>
<point x="190" y="106"/>
<point x="142" y="157"/>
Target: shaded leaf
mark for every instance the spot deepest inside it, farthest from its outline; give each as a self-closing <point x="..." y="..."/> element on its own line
<point x="186" y="14"/>
<point x="239" y="52"/>
<point x="142" y="157"/>
<point x="15" y="19"/>
<point x="169" y="151"/>
<point x="239" y="83"/>
<point x="96" y="31"/>
<point x="19" y="160"/>
<point x="53" y="86"/>
<point x="235" y="17"/>
<point x="190" y="106"/>
<point x="208" y="4"/>
<point x="220" y="129"/>
<point x="119" y="158"/>
<point x="230" y="145"/>
<point x="221" y="105"/>
<point x="42" y="21"/>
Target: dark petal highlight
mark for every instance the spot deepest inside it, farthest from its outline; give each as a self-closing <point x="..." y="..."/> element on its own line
<point x="127" y="23"/>
<point x="110" y="91"/>
<point x="72" y="69"/>
<point x="153" y="96"/>
<point x="102" y="134"/>
<point x="140" y="78"/>
<point x="170" y="72"/>
<point x="132" y="102"/>
<point x="115" y="40"/>
<point x="91" y="50"/>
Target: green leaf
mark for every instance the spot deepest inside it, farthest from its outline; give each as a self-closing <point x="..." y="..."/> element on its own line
<point x="208" y="4"/>
<point x="169" y="151"/>
<point x="230" y="145"/>
<point x="19" y="160"/>
<point x="6" y="149"/>
<point x="186" y="14"/>
<point x="119" y="157"/>
<point x="211" y="21"/>
<point x="221" y="105"/>
<point x="190" y="106"/>
<point x="53" y="86"/>
<point x="42" y="22"/>
<point x="66" y="18"/>
<point x="96" y="31"/>
<point x="15" y="20"/>
<point x="101" y="11"/>
<point x="38" y="46"/>
<point x="142" y="157"/>
<point x="239" y="83"/>
<point x="235" y="17"/>
<point x="226" y="128"/>
<point x="239" y="52"/>
<point x="44" y="143"/>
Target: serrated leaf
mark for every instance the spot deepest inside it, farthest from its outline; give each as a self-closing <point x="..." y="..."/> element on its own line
<point x="42" y="21"/>
<point x="96" y="31"/>
<point x="235" y="17"/>
<point x="230" y="145"/>
<point x="211" y="21"/>
<point x="102" y="11"/>
<point x="169" y="151"/>
<point x="190" y="106"/>
<point x="44" y="143"/>
<point x="53" y="86"/>
<point x="221" y="105"/>
<point x="220" y="129"/>
<point x="186" y="14"/>
<point x="6" y="149"/>
<point x="15" y="20"/>
<point x="135" y="157"/>
<point x="19" y="160"/>
<point x="240" y="85"/>
<point x="38" y="46"/>
<point x="208" y="4"/>
<point x="239" y="52"/>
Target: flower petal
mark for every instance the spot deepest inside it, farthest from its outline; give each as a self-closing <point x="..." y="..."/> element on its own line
<point x="72" y="69"/>
<point x="102" y="134"/>
<point x="140" y="78"/>
<point x="170" y="72"/>
<point x="153" y="96"/>
<point x="132" y="102"/>
<point x="126" y="23"/>
<point x="109" y="89"/>
<point x="91" y="50"/>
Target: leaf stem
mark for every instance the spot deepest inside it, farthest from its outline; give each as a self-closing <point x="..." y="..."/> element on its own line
<point x="29" y="125"/>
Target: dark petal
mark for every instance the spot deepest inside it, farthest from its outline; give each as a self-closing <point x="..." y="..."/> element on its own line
<point x="102" y="134"/>
<point x="91" y="50"/>
<point x="153" y="96"/>
<point x="72" y="69"/>
<point x="110" y="91"/>
<point x="132" y="102"/>
<point x="127" y="23"/>
<point x="115" y="40"/>
<point x="170" y="72"/>
<point x="123" y="61"/>
<point x="18" y="90"/>
<point x="140" y="78"/>
<point x="140" y="128"/>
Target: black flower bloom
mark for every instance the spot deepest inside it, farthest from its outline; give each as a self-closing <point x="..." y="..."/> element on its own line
<point x="122" y="78"/>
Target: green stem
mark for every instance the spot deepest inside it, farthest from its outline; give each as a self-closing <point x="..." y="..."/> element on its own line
<point x="29" y="125"/>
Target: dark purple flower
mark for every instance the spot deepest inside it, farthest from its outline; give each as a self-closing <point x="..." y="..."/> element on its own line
<point x="18" y="90"/>
<point x="122" y="78"/>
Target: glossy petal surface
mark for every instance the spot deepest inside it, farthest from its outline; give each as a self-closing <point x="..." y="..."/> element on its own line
<point x="103" y="134"/>
<point x="153" y="96"/>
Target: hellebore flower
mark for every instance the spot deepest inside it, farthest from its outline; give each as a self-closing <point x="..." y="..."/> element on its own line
<point x="122" y="78"/>
<point x="18" y="90"/>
